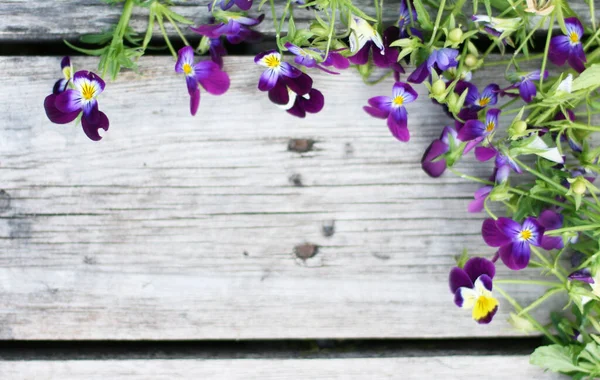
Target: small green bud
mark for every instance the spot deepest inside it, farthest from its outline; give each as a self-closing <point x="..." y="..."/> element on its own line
<point x="455" y="35"/>
<point x="520" y="127"/>
<point x="438" y="87"/>
<point x="578" y="186"/>
<point x="470" y="60"/>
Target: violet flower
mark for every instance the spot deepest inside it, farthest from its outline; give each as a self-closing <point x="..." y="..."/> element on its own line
<point x="476" y="130"/>
<point x="242" y="4"/>
<point x="236" y="28"/>
<point x="568" y="48"/>
<point x="527" y="88"/>
<point x="583" y="275"/>
<point x="405" y="17"/>
<point x="66" y="105"/>
<point x="488" y="97"/>
<point x="206" y="73"/>
<point x="363" y="38"/>
<point x="276" y="70"/>
<point x="299" y="105"/>
<point x="551" y="220"/>
<point x="216" y="51"/>
<point x="432" y="163"/>
<point x="477" y="205"/>
<point x="513" y="239"/>
<point x="335" y="59"/>
<point x="472" y="288"/>
<point x="393" y="109"/>
<point x="439" y="59"/>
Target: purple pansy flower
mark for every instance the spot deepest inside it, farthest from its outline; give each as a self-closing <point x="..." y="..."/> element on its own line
<point x="206" y="73"/>
<point x="551" y="220"/>
<point x="216" y="51"/>
<point x="477" y="205"/>
<point x="299" y="105"/>
<point x="236" y="28"/>
<point x="61" y="85"/>
<point x="488" y="97"/>
<point x="335" y="59"/>
<point x="439" y="59"/>
<point x="476" y="130"/>
<point x="432" y="163"/>
<point x="405" y="17"/>
<point x="363" y="38"/>
<point x="276" y="70"/>
<point x="568" y="48"/>
<point x="472" y="288"/>
<point x="486" y="153"/>
<point x="513" y="239"/>
<point x="393" y="109"/>
<point x="527" y="88"/>
<point x="65" y="106"/>
<point x="242" y="4"/>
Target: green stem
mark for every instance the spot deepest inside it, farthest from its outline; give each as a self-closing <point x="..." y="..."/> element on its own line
<point x="591" y="40"/>
<point x="528" y="282"/>
<point x="546" y="50"/>
<point x="185" y="41"/>
<point x="437" y="21"/>
<point x="541" y="300"/>
<point x="569" y="229"/>
<point x="164" y="33"/>
<point x="466" y="176"/>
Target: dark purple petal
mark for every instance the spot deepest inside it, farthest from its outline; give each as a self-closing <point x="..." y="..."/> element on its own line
<point x="492" y="235"/>
<point x="486" y="281"/>
<point x="478" y="266"/>
<point x="575" y="59"/>
<point x="380" y="58"/>
<point x="68" y="101"/>
<point x="508" y="227"/>
<point x="550" y="220"/>
<point x="192" y="84"/>
<point x="362" y="56"/>
<point x="515" y="255"/>
<point x="297" y="109"/>
<point x="243" y="4"/>
<point x="65" y="62"/>
<point x="559" y="50"/>
<point x="194" y="101"/>
<point x="419" y="74"/>
<point x="471" y="130"/>
<point x="383" y="103"/>
<point x="431" y="167"/>
<point x="397" y="123"/>
<point x="376" y="112"/>
<point x="459" y="279"/>
<point x="551" y="242"/>
<point x="315" y="101"/>
<point x="527" y="90"/>
<point x="485" y="153"/>
<point x="216" y="82"/>
<point x="336" y="60"/>
<point x="583" y="275"/>
<point x="477" y="205"/>
<point x="268" y="80"/>
<point x="91" y="125"/>
<point x="458" y="298"/>
<point x="55" y="115"/>
<point x="472" y="95"/>
<point x="301" y="85"/>
<point x="488" y="318"/>
<point x="60" y="86"/>
<point x="279" y="94"/>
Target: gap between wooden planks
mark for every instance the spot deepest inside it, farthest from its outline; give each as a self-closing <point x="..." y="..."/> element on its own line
<point x="180" y="227"/>
<point x="411" y="368"/>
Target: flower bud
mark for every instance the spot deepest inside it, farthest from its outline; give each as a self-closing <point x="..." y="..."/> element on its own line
<point x="520" y="127"/>
<point x="470" y="60"/>
<point x="438" y="87"/>
<point x="578" y="186"/>
<point x="455" y="35"/>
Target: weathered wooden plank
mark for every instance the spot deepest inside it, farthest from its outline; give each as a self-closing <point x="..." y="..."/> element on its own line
<point x="175" y="227"/>
<point x="409" y="368"/>
<point x="29" y="20"/>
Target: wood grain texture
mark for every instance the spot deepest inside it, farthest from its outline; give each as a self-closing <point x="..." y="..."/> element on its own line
<point x="180" y="227"/>
<point x="34" y="21"/>
<point x="411" y="368"/>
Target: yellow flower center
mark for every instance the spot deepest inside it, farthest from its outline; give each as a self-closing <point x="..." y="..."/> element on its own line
<point x="483" y="307"/>
<point x="272" y="61"/>
<point x="573" y="37"/>
<point x="87" y="91"/>
<point x="398" y="101"/>
<point x="490" y="126"/>
<point x="525" y="234"/>
<point x="187" y="68"/>
<point x="484" y="101"/>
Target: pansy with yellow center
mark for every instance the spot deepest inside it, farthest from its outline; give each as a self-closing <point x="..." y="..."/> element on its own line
<point x="514" y="239"/>
<point x="472" y="288"/>
<point x="208" y="74"/>
<point x="67" y="105"/>
<point x="488" y="97"/>
<point x="568" y="47"/>
<point x="475" y="130"/>
<point x="276" y="68"/>
<point x="392" y="109"/>
<point x="67" y="70"/>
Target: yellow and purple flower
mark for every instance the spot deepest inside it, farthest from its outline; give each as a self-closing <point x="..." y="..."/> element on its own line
<point x="433" y="162"/>
<point x="568" y="48"/>
<point x="276" y="69"/>
<point x="66" y="104"/>
<point x="527" y="88"/>
<point x="406" y="16"/>
<point x="235" y="27"/>
<point x="363" y="38"/>
<point x="392" y="109"/>
<point x="514" y="239"/>
<point x="62" y="84"/>
<point x="475" y="130"/>
<point x="488" y="97"/>
<point x="472" y="288"/>
<point x="439" y="60"/>
<point x="206" y="73"/>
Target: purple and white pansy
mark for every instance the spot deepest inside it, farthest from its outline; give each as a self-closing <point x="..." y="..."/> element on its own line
<point x="439" y="60"/>
<point x="205" y="73"/>
<point x="488" y="97"/>
<point x="568" y="48"/>
<point x="513" y="239"/>
<point x="67" y="104"/>
<point x="476" y="130"/>
<point x="276" y="69"/>
<point x="363" y="38"/>
<point x="472" y="288"/>
<point x="392" y="109"/>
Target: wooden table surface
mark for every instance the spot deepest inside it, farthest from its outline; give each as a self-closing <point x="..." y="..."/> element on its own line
<point x="196" y="229"/>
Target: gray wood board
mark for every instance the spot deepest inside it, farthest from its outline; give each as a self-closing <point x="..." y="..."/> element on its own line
<point x="411" y="368"/>
<point x="180" y="227"/>
<point x="34" y="21"/>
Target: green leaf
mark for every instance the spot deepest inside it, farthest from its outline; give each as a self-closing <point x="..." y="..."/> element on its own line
<point x="423" y="15"/>
<point x="291" y="28"/>
<point x="86" y="51"/>
<point x="555" y="357"/>
<point x="589" y="78"/>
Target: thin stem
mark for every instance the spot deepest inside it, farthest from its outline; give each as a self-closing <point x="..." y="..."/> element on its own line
<point x="164" y="32"/>
<point x="437" y="21"/>
<point x="546" y="50"/>
<point x="541" y="300"/>
<point x="185" y="41"/>
<point x="528" y="282"/>
<point x="466" y="176"/>
<point x="569" y="229"/>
